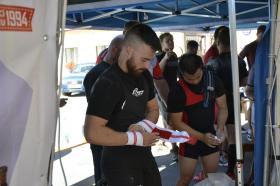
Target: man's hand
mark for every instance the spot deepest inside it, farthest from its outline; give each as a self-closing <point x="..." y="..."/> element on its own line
<point x="170" y="55"/>
<point x="135" y="127"/>
<point x="220" y="133"/>
<point x="150" y="139"/>
<point x="211" y="140"/>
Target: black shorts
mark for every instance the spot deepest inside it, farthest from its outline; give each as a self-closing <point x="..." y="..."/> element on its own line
<point x="195" y="151"/>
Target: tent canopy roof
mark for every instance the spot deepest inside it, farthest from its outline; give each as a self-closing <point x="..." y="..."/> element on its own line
<point x="163" y="14"/>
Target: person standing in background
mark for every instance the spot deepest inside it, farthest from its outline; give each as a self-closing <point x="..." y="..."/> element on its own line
<point x="213" y="52"/>
<point x="222" y="67"/>
<point x="103" y="53"/>
<point x="249" y="51"/>
<point x="192" y="47"/>
<point x="165" y="77"/>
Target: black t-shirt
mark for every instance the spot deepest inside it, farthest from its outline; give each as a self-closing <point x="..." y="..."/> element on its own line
<point x="249" y="51"/>
<point x="108" y="95"/>
<point x="222" y="66"/>
<point x="93" y="75"/>
<point x="200" y="118"/>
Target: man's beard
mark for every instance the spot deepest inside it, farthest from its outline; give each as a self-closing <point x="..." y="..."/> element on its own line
<point x="131" y="68"/>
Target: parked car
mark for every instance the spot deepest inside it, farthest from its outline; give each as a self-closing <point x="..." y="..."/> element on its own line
<point x="73" y="82"/>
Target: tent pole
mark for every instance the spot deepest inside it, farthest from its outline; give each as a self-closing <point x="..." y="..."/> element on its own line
<point x="61" y="20"/>
<point x="277" y="105"/>
<point x="268" y="123"/>
<point x="235" y="78"/>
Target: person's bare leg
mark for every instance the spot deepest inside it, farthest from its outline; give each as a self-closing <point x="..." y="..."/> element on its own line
<point x="210" y="162"/>
<point x="187" y="169"/>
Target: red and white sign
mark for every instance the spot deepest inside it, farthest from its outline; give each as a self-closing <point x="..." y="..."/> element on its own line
<point x="16" y="18"/>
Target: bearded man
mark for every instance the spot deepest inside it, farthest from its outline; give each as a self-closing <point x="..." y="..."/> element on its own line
<point x="123" y="96"/>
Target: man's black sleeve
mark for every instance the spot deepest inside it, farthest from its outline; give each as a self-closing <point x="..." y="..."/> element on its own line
<point x="176" y="100"/>
<point x="151" y="87"/>
<point x="242" y="69"/>
<point x="104" y="98"/>
<point x="219" y="87"/>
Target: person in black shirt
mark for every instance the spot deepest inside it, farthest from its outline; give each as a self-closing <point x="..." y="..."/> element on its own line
<point x="165" y="77"/>
<point x="192" y="47"/>
<point x="222" y="67"/>
<point x="122" y="97"/>
<point x="191" y="106"/>
<point x="111" y="57"/>
<point x="167" y="60"/>
<point x="90" y="78"/>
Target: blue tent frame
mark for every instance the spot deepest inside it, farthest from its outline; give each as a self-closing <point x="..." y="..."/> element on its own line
<point x="165" y="14"/>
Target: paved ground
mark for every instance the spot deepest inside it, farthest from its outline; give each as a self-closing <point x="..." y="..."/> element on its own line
<point x="77" y="162"/>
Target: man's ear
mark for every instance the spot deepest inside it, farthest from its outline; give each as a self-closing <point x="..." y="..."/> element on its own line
<point x="128" y="51"/>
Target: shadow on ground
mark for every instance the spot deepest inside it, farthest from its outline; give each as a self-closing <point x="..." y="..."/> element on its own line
<point x="62" y="154"/>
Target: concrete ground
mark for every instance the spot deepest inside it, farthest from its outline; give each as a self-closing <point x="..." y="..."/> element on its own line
<point x="79" y="168"/>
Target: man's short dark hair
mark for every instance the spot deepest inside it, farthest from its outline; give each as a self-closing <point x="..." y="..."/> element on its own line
<point x="261" y="29"/>
<point x="164" y="35"/>
<point x="129" y="25"/>
<point x="224" y="37"/>
<point x="217" y="31"/>
<point x="192" y="44"/>
<point x="190" y="63"/>
<point x="145" y="34"/>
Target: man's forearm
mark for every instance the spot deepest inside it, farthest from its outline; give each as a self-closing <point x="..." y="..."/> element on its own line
<point x="152" y="111"/>
<point x="162" y="64"/>
<point x="162" y="89"/>
<point x="102" y="135"/>
<point x="222" y="117"/>
<point x="152" y="115"/>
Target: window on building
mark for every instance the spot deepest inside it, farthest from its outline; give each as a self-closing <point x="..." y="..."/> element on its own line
<point x="100" y="48"/>
<point x="71" y="58"/>
<point x="71" y="55"/>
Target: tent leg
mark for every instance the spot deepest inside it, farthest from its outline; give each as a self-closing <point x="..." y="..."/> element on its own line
<point x="59" y="49"/>
<point x="235" y="76"/>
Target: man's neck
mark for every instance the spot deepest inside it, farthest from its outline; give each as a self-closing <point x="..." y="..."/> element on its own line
<point x="122" y="64"/>
<point x="108" y="60"/>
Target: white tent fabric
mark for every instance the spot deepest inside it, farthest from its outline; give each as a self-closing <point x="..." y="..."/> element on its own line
<point x="275" y="176"/>
<point x="28" y="71"/>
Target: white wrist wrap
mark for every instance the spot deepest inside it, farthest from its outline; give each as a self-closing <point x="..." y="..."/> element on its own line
<point x="134" y="138"/>
<point x="147" y="125"/>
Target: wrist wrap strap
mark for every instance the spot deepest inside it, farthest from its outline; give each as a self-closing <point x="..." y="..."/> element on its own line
<point x="147" y="125"/>
<point x="134" y="138"/>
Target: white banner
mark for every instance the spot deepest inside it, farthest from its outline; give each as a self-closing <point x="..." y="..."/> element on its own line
<point x="28" y="68"/>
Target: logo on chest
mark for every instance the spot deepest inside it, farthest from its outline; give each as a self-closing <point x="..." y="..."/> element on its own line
<point x="137" y="92"/>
